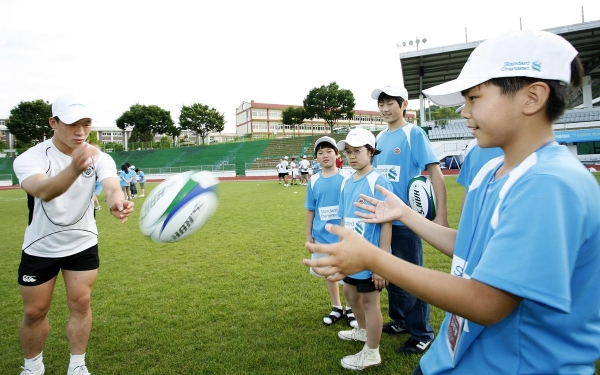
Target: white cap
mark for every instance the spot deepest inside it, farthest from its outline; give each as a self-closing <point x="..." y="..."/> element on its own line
<point x="391" y="91"/>
<point x="132" y="167"/>
<point x="71" y="109"/>
<point x="356" y="138"/>
<point x="325" y="139"/>
<point x="536" y="54"/>
<point x="285" y="157"/>
<point x="304" y="157"/>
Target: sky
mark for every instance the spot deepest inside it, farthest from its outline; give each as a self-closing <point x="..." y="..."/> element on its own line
<point x="222" y="53"/>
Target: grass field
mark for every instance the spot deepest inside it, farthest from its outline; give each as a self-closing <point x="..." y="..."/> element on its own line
<point x="232" y="299"/>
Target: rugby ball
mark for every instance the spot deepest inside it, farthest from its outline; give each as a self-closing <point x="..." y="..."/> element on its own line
<point x="421" y="196"/>
<point x="179" y="206"/>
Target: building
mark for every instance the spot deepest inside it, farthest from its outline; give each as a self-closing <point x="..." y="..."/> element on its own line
<point x="260" y="120"/>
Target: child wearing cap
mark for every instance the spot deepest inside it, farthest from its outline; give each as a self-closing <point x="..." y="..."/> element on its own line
<point x="362" y="289"/>
<point x="304" y="165"/>
<point x="59" y="176"/>
<point x="405" y="153"/>
<point x="322" y="205"/>
<point x="522" y="294"/>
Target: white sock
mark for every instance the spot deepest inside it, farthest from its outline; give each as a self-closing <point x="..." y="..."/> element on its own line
<point x="76" y="361"/>
<point x="327" y="320"/>
<point x="35" y="363"/>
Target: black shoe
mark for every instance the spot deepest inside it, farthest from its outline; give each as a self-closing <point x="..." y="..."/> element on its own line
<point x="412" y="346"/>
<point x="392" y="329"/>
<point x="335" y="315"/>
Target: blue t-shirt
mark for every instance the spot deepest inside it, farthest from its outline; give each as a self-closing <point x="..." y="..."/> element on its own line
<point x="405" y="153"/>
<point x="351" y="190"/>
<point x="475" y="158"/>
<point x="142" y="177"/>
<point x="124" y="178"/>
<point x="316" y="166"/>
<point x="535" y="233"/>
<point x="323" y="197"/>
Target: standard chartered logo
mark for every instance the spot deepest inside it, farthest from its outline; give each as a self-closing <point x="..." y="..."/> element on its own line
<point x="28" y="279"/>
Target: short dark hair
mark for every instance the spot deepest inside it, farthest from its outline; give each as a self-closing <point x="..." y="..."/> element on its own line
<point x="385" y="97"/>
<point x="326" y="144"/>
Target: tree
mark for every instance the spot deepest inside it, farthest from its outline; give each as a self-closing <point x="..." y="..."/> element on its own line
<point x="293" y="116"/>
<point x="201" y="119"/>
<point x="28" y="121"/>
<point x="329" y="103"/>
<point x="147" y="121"/>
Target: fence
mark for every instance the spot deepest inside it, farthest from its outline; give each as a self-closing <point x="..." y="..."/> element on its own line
<point x="222" y="170"/>
<point x="6" y="180"/>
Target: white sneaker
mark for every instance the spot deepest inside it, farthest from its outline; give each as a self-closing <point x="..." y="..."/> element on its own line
<point x="367" y="357"/>
<point x="29" y="372"/>
<point x="355" y="334"/>
<point x="286" y="185"/>
<point x="79" y="370"/>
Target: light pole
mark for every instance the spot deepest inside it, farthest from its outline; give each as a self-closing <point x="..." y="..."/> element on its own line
<point x="416" y="42"/>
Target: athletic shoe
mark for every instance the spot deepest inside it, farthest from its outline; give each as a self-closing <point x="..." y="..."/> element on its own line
<point x="29" y="372"/>
<point x="286" y="185"/>
<point x="367" y="357"/>
<point x="98" y="208"/>
<point x="413" y="346"/>
<point x="142" y="196"/>
<point x="355" y="334"/>
<point x="392" y="329"/>
<point x="79" y="370"/>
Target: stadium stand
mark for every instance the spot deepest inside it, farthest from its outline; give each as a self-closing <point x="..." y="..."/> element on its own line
<point x="579" y="115"/>
<point x="453" y="130"/>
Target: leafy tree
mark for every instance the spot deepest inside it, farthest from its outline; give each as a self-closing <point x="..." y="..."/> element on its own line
<point x="147" y="121"/>
<point x="28" y="121"/>
<point x="293" y="116"/>
<point x="329" y="103"/>
<point x="201" y="119"/>
<point x="93" y="138"/>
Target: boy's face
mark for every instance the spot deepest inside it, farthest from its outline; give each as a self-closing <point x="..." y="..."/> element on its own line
<point x="390" y="110"/>
<point x="69" y="136"/>
<point x="326" y="157"/>
<point x="492" y="117"/>
<point x="358" y="157"/>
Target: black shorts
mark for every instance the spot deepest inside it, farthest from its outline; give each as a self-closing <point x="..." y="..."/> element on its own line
<point x="303" y="173"/>
<point x="362" y="285"/>
<point x="38" y="270"/>
<point x="283" y="174"/>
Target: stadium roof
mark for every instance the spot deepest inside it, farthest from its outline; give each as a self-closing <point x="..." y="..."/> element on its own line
<point x="438" y="65"/>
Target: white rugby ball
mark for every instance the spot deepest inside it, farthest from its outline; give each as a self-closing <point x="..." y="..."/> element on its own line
<point x="421" y="196"/>
<point x="179" y="206"/>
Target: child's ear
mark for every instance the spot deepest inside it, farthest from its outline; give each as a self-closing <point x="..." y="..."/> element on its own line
<point x="537" y="95"/>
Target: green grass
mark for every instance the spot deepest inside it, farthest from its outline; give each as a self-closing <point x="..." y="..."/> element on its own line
<point x="232" y="299"/>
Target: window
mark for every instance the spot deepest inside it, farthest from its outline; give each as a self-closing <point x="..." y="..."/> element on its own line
<point x="274" y="114"/>
<point x="262" y="113"/>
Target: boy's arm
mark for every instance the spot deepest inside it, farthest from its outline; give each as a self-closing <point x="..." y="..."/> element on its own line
<point x="47" y="188"/>
<point x="439" y="188"/>
<point x="310" y="216"/>
<point x="118" y="206"/>
<point x="468" y="298"/>
<point x="385" y="242"/>
<point x="392" y="208"/>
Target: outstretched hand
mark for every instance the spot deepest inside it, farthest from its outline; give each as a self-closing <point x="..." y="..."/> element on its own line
<point x="122" y="210"/>
<point x="381" y="211"/>
<point x="346" y="257"/>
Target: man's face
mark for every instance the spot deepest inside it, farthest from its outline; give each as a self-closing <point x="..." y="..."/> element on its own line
<point x="390" y="110"/>
<point x="69" y="136"/>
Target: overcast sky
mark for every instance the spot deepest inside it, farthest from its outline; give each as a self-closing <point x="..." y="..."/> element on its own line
<point x="221" y="53"/>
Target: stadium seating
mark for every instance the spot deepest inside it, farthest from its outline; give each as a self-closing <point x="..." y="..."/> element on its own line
<point x="579" y="115"/>
<point x="454" y="130"/>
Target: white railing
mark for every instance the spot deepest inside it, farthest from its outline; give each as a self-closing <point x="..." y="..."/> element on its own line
<point x="223" y="170"/>
<point x="6" y="180"/>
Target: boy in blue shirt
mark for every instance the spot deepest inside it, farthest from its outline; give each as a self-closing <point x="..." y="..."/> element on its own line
<point x="322" y="205"/>
<point x="522" y="294"/>
<point x="405" y="153"/>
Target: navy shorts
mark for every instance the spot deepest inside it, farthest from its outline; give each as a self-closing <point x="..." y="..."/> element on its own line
<point x="38" y="270"/>
<point x="362" y="285"/>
